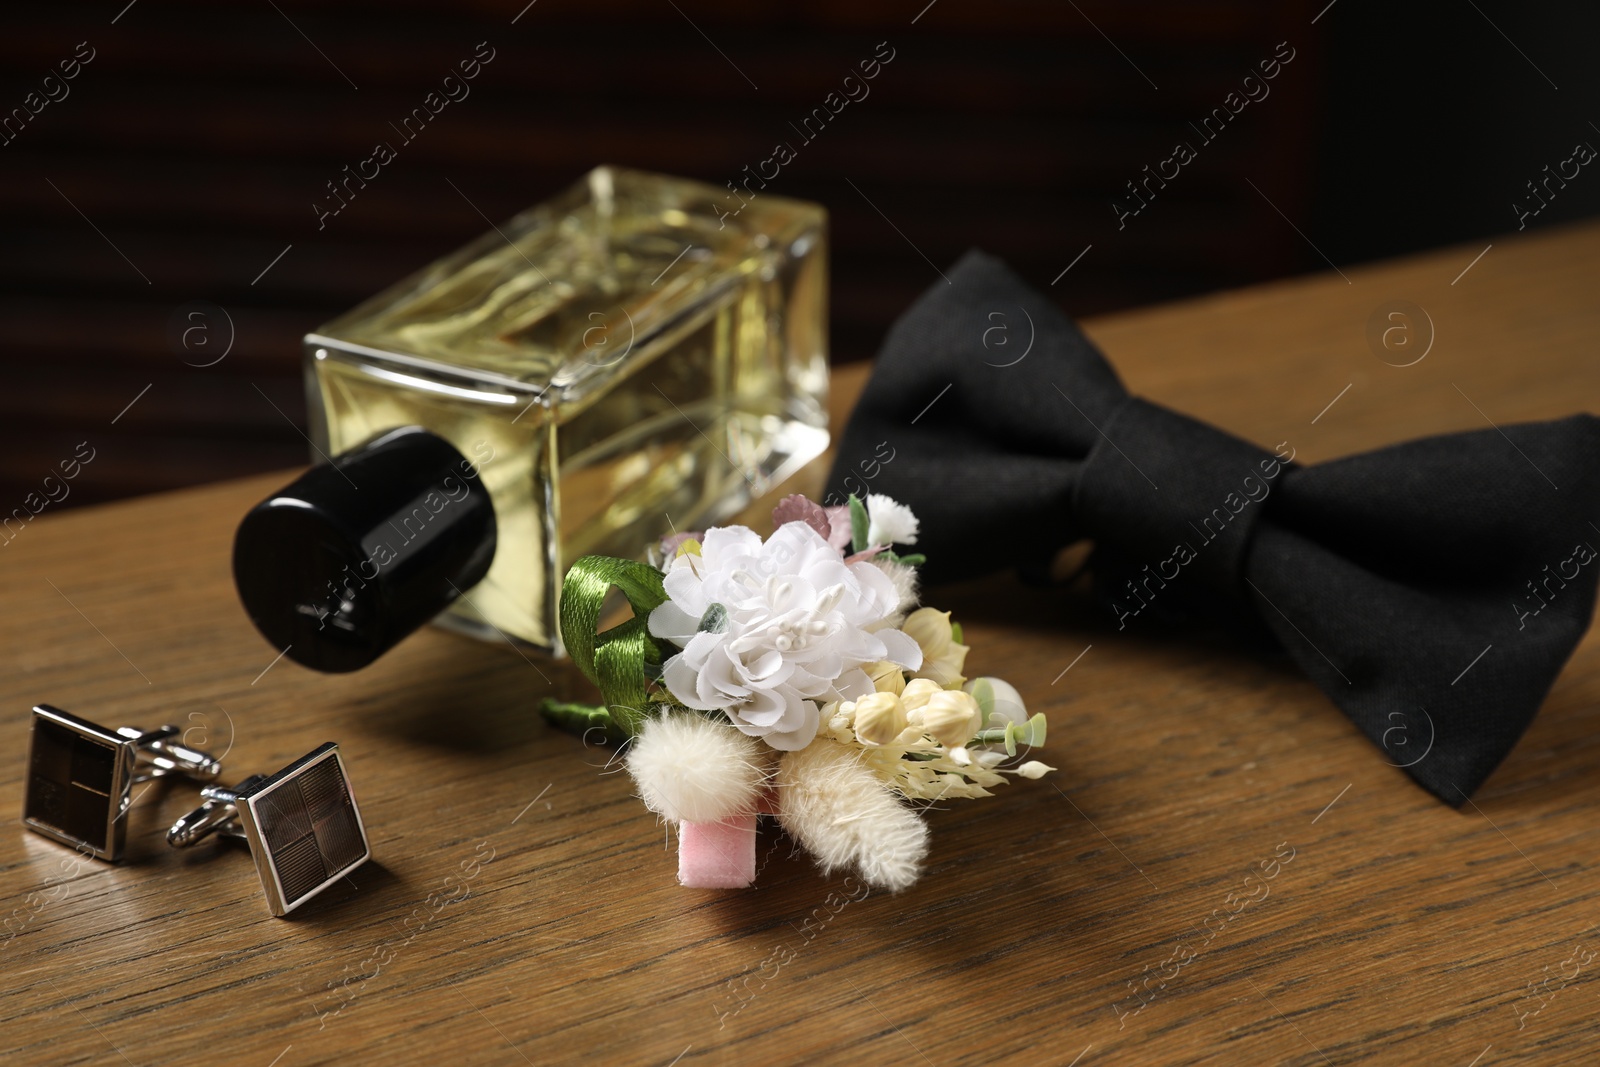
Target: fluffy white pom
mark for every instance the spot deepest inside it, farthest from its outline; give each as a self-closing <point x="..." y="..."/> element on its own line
<point x="846" y="816"/>
<point x="693" y="769"/>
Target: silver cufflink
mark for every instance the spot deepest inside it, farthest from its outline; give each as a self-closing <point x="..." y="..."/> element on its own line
<point x="302" y="824"/>
<point x="81" y="777"/>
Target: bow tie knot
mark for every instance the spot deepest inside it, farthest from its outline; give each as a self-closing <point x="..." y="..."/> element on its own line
<point x="1167" y="489"/>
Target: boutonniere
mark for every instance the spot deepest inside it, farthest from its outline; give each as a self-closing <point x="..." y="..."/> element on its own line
<point x="794" y="677"/>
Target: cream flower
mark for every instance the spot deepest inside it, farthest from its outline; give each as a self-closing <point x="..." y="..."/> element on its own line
<point x="919" y="769"/>
<point x="950" y="717"/>
<point x="917" y="691"/>
<point x="792" y="630"/>
<point x="879" y="718"/>
<point x="889" y="522"/>
<point x="887" y="677"/>
<point x="942" y="657"/>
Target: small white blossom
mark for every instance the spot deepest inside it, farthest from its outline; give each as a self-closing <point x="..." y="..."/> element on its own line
<point x="889" y="522"/>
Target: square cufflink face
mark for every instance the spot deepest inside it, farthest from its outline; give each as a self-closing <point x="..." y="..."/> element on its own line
<point x="304" y="828"/>
<point x="79" y="778"/>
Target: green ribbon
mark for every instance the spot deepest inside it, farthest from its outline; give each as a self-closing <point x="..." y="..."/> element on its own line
<point x="582" y="720"/>
<point x="616" y="659"/>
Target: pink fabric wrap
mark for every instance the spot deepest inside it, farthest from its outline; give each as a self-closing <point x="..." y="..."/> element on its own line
<point x="717" y="855"/>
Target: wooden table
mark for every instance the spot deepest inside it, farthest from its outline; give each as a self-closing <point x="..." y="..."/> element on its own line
<point x="1400" y="931"/>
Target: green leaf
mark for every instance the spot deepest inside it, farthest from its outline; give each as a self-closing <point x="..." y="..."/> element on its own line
<point x="715" y="620"/>
<point x="983" y="693"/>
<point x="916" y="559"/>
<point x="1030" y="733"/>
<point x="858" y="525"/>
<point x="1036" y="730"/>
<point x="955" y="633"/>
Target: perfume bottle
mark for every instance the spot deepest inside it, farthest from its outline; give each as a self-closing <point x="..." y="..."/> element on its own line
<point x="625" y="360"/>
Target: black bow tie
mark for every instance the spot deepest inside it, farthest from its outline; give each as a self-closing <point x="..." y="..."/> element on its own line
<point x="1432" y="589"/>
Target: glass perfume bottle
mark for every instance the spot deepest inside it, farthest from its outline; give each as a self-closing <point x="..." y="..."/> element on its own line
<point x="624" y="360"/>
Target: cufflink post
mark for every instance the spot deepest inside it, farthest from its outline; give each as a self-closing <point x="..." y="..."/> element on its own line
<point x="158" y="757"/>
<point x="218" y="815"/>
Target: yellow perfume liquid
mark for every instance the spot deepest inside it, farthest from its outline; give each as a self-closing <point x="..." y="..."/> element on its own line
<point x="619" y="362"/>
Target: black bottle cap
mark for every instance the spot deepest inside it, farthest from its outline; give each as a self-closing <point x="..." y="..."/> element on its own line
<point x="353" y="555"/>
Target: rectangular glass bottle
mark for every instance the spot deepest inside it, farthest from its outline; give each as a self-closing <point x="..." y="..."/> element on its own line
<point x="626" y="359"/>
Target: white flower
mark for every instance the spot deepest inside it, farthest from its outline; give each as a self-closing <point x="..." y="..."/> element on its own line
<point x="795" y="631"/>
<point x="889" y="522"/>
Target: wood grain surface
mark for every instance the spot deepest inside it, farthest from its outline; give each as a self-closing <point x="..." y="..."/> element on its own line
<point x="521" y="907"/>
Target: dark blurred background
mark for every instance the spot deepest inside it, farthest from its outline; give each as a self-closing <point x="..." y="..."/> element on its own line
<point x="178" y="169"/>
